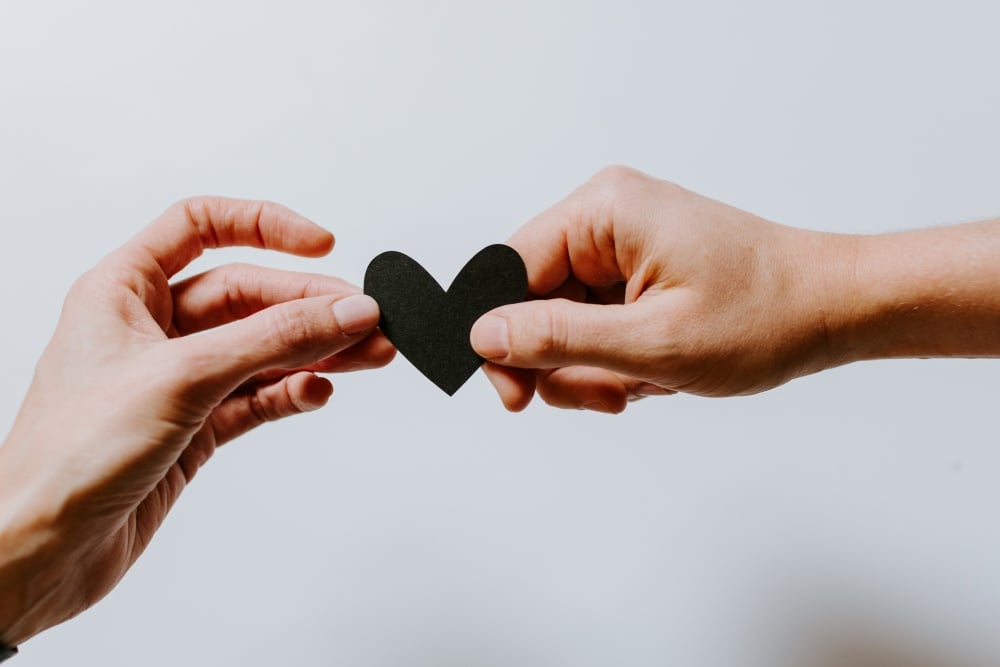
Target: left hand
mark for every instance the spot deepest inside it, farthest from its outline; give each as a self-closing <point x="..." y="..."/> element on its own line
<point x="141" y="382"/>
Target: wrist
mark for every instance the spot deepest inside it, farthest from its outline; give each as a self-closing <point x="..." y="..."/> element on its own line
<point x="924" y="293"/>
<point x="31" y="589"/>
<point x="824" y="307"/>
<point x="30" y="548"/>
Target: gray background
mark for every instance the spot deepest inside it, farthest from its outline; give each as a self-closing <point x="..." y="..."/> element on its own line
<point x="853" y="512"/>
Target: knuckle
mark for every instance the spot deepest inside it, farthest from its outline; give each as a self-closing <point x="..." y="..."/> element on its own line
<point x="291" y="327"/>
<point x="254" y="210"/>
<point x="229" y="286"/>
<point x="208" y="214"/>
<point x="262" y="407"/>
<point x="609" y="188"/>
<point x="551" y="335"/>
<point x="238" y="278"/>
<point x="265" y="208"/>
<point x="231" y="282"/>
<point x="201" y="203"/>
<point x="616" y="173"/>
<point x="313" y="286"/>
<point x="615" y="183"/>
<point x="616" y="179"/>
<point x="199" y="212"/>
<point x="82" y="286"/>
<point x="195" y="208"/>
<point x="273" y="403"/>
<point x="113" y="276"/>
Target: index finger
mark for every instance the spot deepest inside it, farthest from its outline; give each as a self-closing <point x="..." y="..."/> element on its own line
<point x="577" y="237"/>
<point x="191" y="226"/>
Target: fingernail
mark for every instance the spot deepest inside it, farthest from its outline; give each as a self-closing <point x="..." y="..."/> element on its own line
<point x="313" y="401"/>
<point x="489" y="337"/>
<point x="650" y="389"/>
<point x="598" y="406"/>
<point x="311" y="405"/>
<point x="356" y="313"/>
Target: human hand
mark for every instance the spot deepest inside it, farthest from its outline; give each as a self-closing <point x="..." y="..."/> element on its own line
<point x="143" y="379"/>
<point x="644" y="288"/>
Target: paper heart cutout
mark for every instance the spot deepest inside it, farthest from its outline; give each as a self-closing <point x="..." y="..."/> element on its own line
<point x="430" y="326"/>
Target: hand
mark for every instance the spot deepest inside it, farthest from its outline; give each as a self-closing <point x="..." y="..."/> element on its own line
<point x="144" y="379"/>
<point x="644" y="288"/>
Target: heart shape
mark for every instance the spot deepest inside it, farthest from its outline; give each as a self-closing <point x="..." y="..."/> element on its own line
<point x="430" y="326"/>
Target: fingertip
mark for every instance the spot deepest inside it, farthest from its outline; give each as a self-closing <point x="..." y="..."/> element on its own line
<point x="325" y="241"/>
<point x="381" y="350"/>
<point x="615" y="400"/>
<point x="356" y="313"/>
<point x="296" y="233"/>
<point x="514" y="386"/>
<point x="608" y="397"/>
<point x="314" y="241"/>
<point x="309" y="391"/>
<point x="584" y="388"/>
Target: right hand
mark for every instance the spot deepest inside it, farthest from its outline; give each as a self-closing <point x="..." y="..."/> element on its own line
<point x="641" y="288"/>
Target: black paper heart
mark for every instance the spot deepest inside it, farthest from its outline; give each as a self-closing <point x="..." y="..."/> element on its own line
<point x="429" y="326"/>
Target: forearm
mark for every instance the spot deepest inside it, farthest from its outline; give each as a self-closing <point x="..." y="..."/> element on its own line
<point x="925" y="293"/>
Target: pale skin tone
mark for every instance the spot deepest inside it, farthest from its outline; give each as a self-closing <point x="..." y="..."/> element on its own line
<point x="639" y="288"/>
<point x="642" y="288"/>
<point x="127" y="403"/>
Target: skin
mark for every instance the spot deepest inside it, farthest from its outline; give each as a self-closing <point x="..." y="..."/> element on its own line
<point x="641" y="288"/>
<point x="86" y="482"/>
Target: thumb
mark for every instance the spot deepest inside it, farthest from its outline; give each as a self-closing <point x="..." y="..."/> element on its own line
<point x="554" y="333"/>
<point x="289" y="335"/>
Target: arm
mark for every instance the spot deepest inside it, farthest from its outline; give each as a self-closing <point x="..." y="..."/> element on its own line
<point x="644" y="288"/>
<point x="924" y="293"/>
<point x="127" y="402"/>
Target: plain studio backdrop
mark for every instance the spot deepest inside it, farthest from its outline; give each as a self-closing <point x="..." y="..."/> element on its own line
<point x="848" y="518"/>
